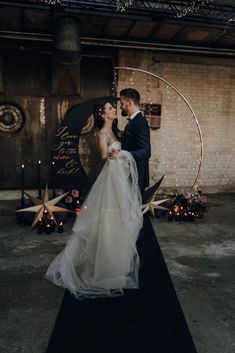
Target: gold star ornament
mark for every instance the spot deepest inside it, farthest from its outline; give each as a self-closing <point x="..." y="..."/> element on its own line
<point x="44" y="205"/>
<point x="153" y="205"/>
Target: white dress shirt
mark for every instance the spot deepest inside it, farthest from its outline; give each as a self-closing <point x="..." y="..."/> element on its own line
<point x="134" y="114"/>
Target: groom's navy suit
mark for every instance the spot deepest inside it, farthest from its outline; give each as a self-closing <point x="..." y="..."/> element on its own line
<point x="136" y="140"/>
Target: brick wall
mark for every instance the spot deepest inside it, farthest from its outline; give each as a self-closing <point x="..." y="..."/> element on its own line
<point x="209" y="87"/>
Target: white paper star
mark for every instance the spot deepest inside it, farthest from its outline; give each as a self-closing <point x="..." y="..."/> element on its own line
<point x="44" y="204"/>
<point x="152" y="205"/>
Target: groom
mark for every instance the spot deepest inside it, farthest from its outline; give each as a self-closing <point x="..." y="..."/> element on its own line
<point x="136" y="138"/>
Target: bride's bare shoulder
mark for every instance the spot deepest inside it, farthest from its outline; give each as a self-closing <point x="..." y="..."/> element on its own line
<point x="102" y="134"/>
<point x="101" y="138"/>
<point x="102" y="144"/>
<point x="102" y="131"/>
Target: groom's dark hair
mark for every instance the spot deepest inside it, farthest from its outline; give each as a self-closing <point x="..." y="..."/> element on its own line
<point x="132" y="94"/>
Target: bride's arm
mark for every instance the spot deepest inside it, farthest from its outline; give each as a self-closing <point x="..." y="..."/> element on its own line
<point x="102" y="144"/>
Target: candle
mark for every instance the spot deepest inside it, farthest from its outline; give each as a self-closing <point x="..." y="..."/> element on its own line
<point x="45" y="216"/>
<point x="193" y="217"/>
<point x="60" y="227"/>
<point x="22" y="187"/>
<point x="22" y="178"/>
<point x="77" y="210"/>
<point x="39" y="180"/>
<point x="53" y="178"/>
<point x="48" y="229"/>
<point x="40" y="226"/>
<point x="185" y="217"/>
<point x="170" y="217"/>
<point x="52" y="222"/>
<point x="178" y="217"/>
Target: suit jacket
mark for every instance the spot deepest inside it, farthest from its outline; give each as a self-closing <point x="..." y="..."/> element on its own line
<point x="136" y="140"/>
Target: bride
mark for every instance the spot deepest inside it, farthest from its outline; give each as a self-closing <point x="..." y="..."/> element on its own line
<point x="100" y="258"/>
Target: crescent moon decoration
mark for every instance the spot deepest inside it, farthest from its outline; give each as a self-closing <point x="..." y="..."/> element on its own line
<point x="89" y="125"/>
<point x="199" y="169"/>
<point x="78" y="123"/>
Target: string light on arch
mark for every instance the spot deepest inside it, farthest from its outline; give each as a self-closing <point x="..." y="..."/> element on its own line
<point x="132" y="78"/>
<point x="149" y="90"/>
<point x="114" y="87"/>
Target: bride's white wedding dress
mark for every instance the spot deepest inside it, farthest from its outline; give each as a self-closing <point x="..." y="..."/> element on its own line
<point x="100" y="258"/>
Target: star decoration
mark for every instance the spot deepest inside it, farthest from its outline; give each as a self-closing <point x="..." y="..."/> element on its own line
<point x="44" y="205"/>
<point x="148" y="194"/>
<point x="152" y="205"/>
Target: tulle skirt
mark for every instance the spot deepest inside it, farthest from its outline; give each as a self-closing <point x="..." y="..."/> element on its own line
<point x="100" y="257"/>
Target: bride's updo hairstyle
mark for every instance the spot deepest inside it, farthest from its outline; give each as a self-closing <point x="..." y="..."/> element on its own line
<point x="98" y="111"/>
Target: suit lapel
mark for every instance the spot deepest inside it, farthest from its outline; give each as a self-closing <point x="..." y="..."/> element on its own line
<point x="131" y="121"/>
<point x="128" y="130"/>
<point x="136" y="116"/>
<point x="127" y="125"/>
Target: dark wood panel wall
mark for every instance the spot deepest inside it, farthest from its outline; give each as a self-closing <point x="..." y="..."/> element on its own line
<point x="33" y="81"/>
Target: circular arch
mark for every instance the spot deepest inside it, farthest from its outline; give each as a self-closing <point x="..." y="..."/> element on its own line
<point x="187" y="103"/>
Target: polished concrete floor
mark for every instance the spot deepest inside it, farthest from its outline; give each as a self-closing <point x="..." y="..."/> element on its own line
<point x="200" y="257"/>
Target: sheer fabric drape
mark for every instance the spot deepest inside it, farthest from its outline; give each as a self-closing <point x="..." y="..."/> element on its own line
<point x="100" y="258"/>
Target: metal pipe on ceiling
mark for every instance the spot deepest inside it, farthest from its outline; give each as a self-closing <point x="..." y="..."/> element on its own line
<point x="127" y="44"/>
<point x="160" y="47"/>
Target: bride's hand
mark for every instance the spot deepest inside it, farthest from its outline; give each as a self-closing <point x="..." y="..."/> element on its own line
<point x="113" y="154"/>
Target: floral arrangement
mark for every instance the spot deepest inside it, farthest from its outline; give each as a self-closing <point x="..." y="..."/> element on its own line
<point x="72" y="200"/>
<point x="187" y="206"/>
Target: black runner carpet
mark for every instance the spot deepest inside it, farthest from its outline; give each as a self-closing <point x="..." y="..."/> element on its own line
<point x="147" y="320"/>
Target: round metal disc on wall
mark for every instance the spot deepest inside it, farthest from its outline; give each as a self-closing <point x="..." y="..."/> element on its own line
<point x="12" y="119"/>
